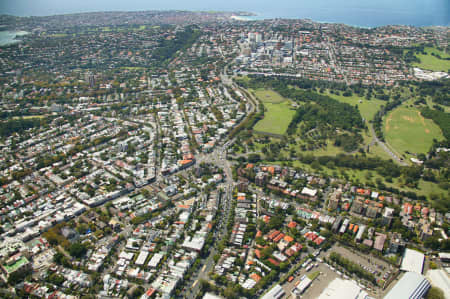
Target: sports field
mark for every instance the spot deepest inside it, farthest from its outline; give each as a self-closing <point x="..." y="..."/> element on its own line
<point x="278" y="112"/>
<point x="433" y="63"/>
<point x="406" y="130"/>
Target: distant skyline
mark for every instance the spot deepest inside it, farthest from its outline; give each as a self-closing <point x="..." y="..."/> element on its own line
<point x="353" y="12"/>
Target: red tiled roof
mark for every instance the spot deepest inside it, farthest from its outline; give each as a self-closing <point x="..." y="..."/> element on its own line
<point x="278" y="238"/>
<point x="274" y="262"/>
<point x="292" y="224"/>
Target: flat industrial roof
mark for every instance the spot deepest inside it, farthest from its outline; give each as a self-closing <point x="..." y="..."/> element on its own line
<point x="440" y="279"/>
<point x="276" y="292"/>
<point x="412" y="285"/>
<point x="304" y="284"/>
<point x="343" y="289"/>
<point x="412" y="261"/>
<point x="211" y="296"/>
<point x="444" y="255"/>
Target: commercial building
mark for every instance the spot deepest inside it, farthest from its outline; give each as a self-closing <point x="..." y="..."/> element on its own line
<point x="211" y="296"/>
<point x="303" y="285"/>
<point x="412" y="261"/>
<point x="275" y="293"/>
<point x="360" y="233"/>
<point x="412" y="285"/>
<point x="444" y="256"/>
<point x="156" y="258"/>
<point x="16" y="263"/>
<point x="439" y="278"/>
<point x="140" y="261"/>
<point x="343" y="289"/>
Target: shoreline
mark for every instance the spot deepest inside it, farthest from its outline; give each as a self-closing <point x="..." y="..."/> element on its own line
<point x="246" y="16"/>
<point x="254" y="16"/>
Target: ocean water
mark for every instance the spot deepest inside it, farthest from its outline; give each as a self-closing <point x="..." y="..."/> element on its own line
<point x="364" y="13"/>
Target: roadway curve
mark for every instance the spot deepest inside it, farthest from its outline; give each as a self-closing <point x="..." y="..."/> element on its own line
<point x="385" y="147"/>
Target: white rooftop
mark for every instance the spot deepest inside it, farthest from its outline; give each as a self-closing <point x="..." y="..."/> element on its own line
<point x="310" y="192"/>
<point x="440" y="279"/>
<point x="412" y="261"/>
<point x="412" y="285"/>
<point x="343" y="289"/>
<point x="211" y="296"/>
<point x="275" y="293"/>
<point x="304" y="284"/>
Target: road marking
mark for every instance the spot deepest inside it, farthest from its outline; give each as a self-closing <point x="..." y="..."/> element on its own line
<point x="195" y="283"/>
<point x="204" y="267"/>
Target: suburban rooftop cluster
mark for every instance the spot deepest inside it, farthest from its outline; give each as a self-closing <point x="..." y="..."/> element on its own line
<point x="130" y="167"/>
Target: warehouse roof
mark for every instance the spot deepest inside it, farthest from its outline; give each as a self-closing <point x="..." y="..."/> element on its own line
<point x="412" y="285"/>
<point x="276" y="292"/>
<point x="343" y="289"/>
<point x="412" y="261"/>
<point x="440" y="279"/>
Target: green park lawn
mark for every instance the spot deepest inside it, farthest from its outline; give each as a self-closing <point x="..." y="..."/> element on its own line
<point x="367" y="108"/>
<point x="278" y="114"/>
<point x="268" y="96"/>
<point x="433" y="63"/>
<point x="58" y="35"/>
<point x="405" y="129"/>
<point x="29" y="116"/>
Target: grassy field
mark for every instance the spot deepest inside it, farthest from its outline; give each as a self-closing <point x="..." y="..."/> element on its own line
<point x="367" y="108"/>
<point x="406" y="130"/>
<point x="330" y="150"/>
<point x="29" y="116"/>
<point x="58" y="35"/>
<point x="432" y="63"/>
<point x="278" y="112"/>
<point x="376" y="151"/>
<point x="133" y="68"/>
<point x="269" y="96"/>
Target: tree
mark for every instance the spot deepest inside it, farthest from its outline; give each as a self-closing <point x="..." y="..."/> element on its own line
<point x="231" y="292"/>
<point x="82" y="228"/>
<point x="145" y="193"/>
<point x="435" y="293"/>
<point x="77" y="249"/>
<point x="276" y="222"/>
<point x="254" y="158"/>
<point x="56" y="279"/>
<point x="17" y="276"/>
<point x="137" y="292"/>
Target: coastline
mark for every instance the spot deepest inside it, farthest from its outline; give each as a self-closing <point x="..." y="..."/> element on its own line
<point x="254" y="16"/>
<point x="260" y="17"/>
<point x="359" y="18"/>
